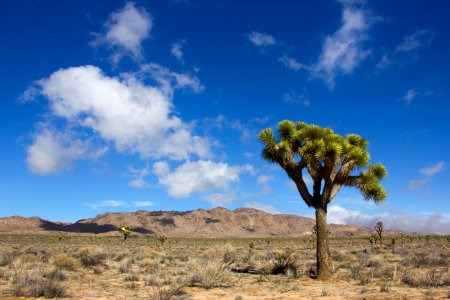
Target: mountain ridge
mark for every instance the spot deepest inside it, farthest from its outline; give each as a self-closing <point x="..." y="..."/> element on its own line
<point x="216" y="222"/>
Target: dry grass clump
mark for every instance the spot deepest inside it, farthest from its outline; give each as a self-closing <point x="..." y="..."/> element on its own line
<point x="90" y="258"/>
<point x="7" y="258"/>
<point x="282" y="262"/>
<point x="433" y="278"/>
<point x="426" y="259"/>
<point x="166" y="293"/>
<point x="212" y="270"/>
<point x="37" y="284"/>
<point x="65" y="262"/>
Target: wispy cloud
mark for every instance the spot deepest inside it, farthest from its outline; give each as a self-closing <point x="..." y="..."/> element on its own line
<point x="433" y="169"/>
<point x="139" y="177"/>
<point x="344" y="50"/>
<point x="117" y="203"/>
<point x="107" y="203"/>
<point x="406" y="51"/>
<point x="428" y="172"/>
<point x="419" y="39"/>
<point x="222" y="199"/>
<point x="292" y="64"/>
<point x="409" y="96"/>
<point x="434" y="223"/>
<point x="264" y="180"/>
<point x="261" y="39"/>
<point x="248" y="129"/>
<point x="125" y="30"/>
<point x="177" y="50"/>
<point x="142" y="203"/>
<point x="417" y="183"/>
<point x="262" y="206"/>
<point x="297" y="98"/>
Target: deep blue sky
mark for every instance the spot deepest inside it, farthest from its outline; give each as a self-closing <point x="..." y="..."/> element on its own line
<point x="119" y="106"/>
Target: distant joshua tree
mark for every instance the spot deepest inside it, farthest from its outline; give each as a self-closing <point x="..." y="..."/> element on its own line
<point x="330" y="159"/>
<point x="125" y="230"/>
<point x="379" y="230"/>
<point x="372" y="240"/>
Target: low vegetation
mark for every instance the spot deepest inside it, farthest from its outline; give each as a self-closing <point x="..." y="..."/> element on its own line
<point x="98" y="266"/>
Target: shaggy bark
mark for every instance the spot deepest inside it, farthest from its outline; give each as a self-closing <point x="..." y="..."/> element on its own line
<point x="324" y="262"/>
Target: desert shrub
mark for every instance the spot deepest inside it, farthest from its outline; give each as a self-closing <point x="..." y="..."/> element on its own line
<point x="359" y="271"/>
<point x="146" y="264"/>
<point x="152" y="280"/>
<point x="89" y="259"/>
<point x="432" y="278"/>
<point x="65" y="262"/>
<point x="283" y="262"/>
<point x="35" y="284"/>
<point x="131" y="277"/>
<point x="119" y="256"/>
<point x="166" y="293"/>
<point x="425" y="260"/>
<point x="125" y="266"/>
<point x="55" y="275"/>
<point x="39" y="251"/>
<point x="28" y="259"/>
<point x="209" y="273"/>
<point x="339" y="256"/>
<point x="7" y="258"/>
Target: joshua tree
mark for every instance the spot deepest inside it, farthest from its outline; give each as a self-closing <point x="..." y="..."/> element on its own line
<point x="330" y="159"/>
<point x="125" y="230"/>
<point x="161" y="238"/>
<point x="372" y="240"/>
<point x="393" y="241"/>
<point x="379" y="230"/>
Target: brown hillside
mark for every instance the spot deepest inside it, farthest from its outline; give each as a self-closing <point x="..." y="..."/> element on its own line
<point x="217" y="222"/>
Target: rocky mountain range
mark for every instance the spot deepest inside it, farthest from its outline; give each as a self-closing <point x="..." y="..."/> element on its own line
<point x="217" y="222"/>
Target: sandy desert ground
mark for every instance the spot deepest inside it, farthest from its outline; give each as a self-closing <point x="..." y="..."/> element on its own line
<point x="95" y="267"/>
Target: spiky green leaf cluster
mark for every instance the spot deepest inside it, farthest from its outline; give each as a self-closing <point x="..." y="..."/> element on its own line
<point x="371" y="187"/>
<point x="125" y="230"/>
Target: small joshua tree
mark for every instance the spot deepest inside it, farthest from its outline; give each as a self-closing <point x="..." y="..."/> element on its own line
<point x="393" y="241"/>
<point x="379" y="230"/>
<point x="162" y="239"/>
<point x="372" y="240"/>
<point x="125" y="230"/>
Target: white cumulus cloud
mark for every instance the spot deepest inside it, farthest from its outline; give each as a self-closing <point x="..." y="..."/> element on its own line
<point x="126" y="29"/>
<point x="198" y="176"/>
<point x="52" y="151"/>
<point x="134" y="117"/>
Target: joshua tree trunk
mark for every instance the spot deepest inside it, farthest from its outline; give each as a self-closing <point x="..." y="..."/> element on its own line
<point x="324" y="263"/>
